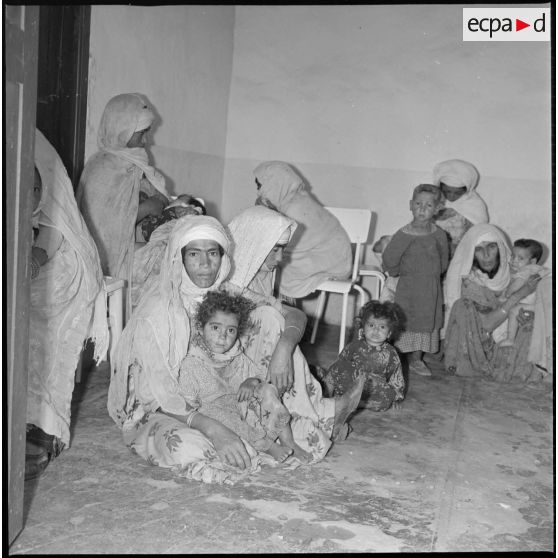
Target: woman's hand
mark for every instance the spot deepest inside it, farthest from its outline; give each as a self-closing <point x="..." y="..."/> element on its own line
<point x="246" y="389"/>
<point x="280" y="372"/>
<point x="229" y="446"/>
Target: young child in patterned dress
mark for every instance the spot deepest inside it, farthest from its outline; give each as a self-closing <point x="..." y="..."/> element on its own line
<point x="373" y="357"/>
<point x="218" y="380"/>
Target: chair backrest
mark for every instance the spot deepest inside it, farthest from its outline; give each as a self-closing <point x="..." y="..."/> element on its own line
<point x="357" y="224"/>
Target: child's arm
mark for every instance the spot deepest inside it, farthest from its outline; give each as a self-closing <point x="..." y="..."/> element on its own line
<point x="515" y="284"/>
<point x="444" y="251"/>
<point x="393" y="253"/>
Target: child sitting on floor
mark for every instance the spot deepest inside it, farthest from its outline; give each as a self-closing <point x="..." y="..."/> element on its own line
<point x="184" y="204"/>
<point x="218" y="380"/>
<point x="372" y="356"/>
<point x="524" y="262"/>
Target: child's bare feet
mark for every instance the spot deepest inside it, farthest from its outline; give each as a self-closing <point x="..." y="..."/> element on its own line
<point x="279" y="452"/>
<point x="346" y="404"/>
<point x="287" y="440"/>
<point x="506" y="343"/>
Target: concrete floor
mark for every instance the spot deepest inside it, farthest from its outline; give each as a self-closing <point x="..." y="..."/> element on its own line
<point x="463" y="466"/>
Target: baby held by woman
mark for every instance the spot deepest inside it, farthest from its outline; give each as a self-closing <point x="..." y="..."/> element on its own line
<point x="526" y="255"/>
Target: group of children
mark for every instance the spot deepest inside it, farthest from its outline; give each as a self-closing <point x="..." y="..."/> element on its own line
<point x="414" y="260"/>
<point x="222" y="382"/>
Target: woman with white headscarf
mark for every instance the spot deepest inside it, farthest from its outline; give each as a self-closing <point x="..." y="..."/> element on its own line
<point x="144" y="398"/>
<point x="260" y="236"/>
<point x="320" y="248"/>
<point x="109" y="189"/>
<point x="463" y="206"/>
<point x="477" y="312"/>
<point x="67" y="307"/>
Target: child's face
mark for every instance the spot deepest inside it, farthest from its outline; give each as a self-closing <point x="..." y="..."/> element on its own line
<point x="221" y="332"/>
<point x="376" y="330"/>
<point x="520" y="258"/>
<point x="424" y="206"/>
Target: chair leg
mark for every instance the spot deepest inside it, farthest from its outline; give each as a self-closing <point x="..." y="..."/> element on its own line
<point x="116" y="313"/>
<point x="343" y="321"/>
<point x="364" y="296"/>
<point x="318" y="315"/>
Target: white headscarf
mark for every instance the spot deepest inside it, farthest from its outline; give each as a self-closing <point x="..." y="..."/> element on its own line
<point x="462" y="262"/>
<point x="255" y="231"/>
<point x="457" y="173"/>
<point x="165" y="310"/>
<point x="279" y="183"/>
<point x="123" y="115"/>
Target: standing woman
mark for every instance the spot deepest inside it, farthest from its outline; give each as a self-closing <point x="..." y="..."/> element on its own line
<point x="320" y="248"/>
<point x="67" y="307"/>
<point x="109" y="188"/>
<point x="463" y="206"/>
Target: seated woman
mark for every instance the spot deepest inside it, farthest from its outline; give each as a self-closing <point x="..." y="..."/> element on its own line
<point x="67" y="306"/>
<point x="463" y="206"/>
<point x="320" y="248"/>
<point x="144" y="397"/>
<point x="109" y="189"/>
<point x="260" y="236"/>
<point x="477" y="313"/>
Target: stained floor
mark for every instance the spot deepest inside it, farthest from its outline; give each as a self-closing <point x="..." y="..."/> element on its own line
<point x="464" y="465"/>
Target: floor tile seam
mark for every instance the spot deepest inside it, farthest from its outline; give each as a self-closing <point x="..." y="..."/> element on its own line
<point x="447" y="486"/>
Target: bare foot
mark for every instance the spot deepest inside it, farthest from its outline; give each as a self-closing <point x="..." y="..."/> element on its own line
<point x="346" y="404"/>
<point x="287" y="440"/>
<point x="279" y="452"/>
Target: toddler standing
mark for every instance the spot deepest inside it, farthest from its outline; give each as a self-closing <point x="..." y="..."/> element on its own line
<point x="218" y="380"/>
<point x="418" y="254"/>
<point x="526" y="255"/>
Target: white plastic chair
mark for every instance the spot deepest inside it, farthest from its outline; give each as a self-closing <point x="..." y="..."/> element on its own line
<point x="373" y="271"/>
<point x="357" y="224"/>
<point x="116" y="303"/>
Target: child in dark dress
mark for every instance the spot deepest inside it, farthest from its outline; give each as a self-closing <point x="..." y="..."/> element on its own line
<point x="418" y="254"/>
<point x="372" y="356"/>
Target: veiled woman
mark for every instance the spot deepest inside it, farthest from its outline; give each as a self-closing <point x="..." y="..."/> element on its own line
<point x="260" y="236"/>
<point x="67" y="306"/>
<point x="478" y="312"/>
<point x="463" y="206"/>
<point x="109" y="189"/>
<point x="320" y="248"/>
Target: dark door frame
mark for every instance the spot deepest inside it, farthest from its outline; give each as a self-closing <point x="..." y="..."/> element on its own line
<point x="63" y="68"/>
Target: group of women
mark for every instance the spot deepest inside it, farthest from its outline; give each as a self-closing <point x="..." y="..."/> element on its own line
<point x="169" y="275"/>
